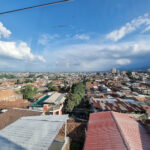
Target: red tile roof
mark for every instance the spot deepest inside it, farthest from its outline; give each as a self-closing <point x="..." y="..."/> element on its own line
<point x="115" y="131"/>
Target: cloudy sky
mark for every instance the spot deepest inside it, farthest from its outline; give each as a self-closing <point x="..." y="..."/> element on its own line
<point x="82" y="35"/>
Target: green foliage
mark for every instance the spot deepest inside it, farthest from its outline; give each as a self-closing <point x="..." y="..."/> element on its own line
<point x="31" y="76"/>
<point x="7" y="76"/>
<point x="75" y="97"/>
<point x="29" y="81"/>
<point x="79" y="89"/>
<point x="51" y="87"/>
<point x="18" y="82"/>
<point x="76" y="145"/>
<point x="40" y="76"/>
<point x="69" y="102"/>
<point x="65" y="89"/>
<point x="129" y="74"/>
<point x="54" y="88"/>
<point x="29" y="92"/>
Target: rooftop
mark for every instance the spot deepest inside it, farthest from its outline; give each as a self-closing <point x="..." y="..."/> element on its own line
<point x="112" y="130"/>
<point x="56" y="98"/>
<point x="7" y="93"/>
<point x="14" y="114"/>
<point x="120" y="105"/>
<point x="32" y="133"/>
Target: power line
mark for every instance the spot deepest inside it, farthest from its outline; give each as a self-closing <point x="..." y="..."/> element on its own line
<point x="36" y="6"/>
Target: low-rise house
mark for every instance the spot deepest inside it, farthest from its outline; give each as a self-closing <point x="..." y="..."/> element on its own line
<point x="54" y="103"/>
<point x="125" y="89"/>
<point x="35" y="133"/>
<point x="141" y="90"/>
<point x="106" y="90"/>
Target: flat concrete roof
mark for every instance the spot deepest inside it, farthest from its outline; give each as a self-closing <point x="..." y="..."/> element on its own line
<point x="31" y="133"/>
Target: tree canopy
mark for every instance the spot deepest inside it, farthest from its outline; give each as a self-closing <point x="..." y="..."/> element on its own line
<point x="51" y="87"/>
<point x="29" y="92"/>
<point x="7" y="76"/>
<point x="74" y="97"/>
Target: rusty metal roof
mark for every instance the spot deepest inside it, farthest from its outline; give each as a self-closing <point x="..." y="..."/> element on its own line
<point x="119" y="105"/>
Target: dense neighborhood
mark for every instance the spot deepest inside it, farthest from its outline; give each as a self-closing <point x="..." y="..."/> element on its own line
<point x="81" y="110"/>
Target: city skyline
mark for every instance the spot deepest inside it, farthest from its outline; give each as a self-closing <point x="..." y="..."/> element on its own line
<point x="79" y="36"/>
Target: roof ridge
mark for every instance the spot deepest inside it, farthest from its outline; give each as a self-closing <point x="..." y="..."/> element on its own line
<point x="121" y="134"/>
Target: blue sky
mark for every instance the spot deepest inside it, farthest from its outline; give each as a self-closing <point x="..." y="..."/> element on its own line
<point x="82" y="35"/>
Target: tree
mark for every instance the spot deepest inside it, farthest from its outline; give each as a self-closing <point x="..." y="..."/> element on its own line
<point x="29" y="92"/>
<point x="40" y="76"/>
<point x="79" y="88"/>
<point x="129" y="74"/>
<point x="29" y="81"/>
<point x="51" y="87"/>
<point x="74" y="97"/>
<point x="18" y="82"/>
<point x="70" y="106"/>
<point x="54" y="88"/>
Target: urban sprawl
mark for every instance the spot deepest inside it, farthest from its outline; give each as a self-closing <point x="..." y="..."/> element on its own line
<point x="75" y="111"/>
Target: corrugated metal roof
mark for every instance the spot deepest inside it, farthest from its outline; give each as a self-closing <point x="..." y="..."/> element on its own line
<point x="125" y="105"/>
<point x="31" y="133"/>
<point x="56" y="98"/>
<point x="50" y="118"/>
<point x="115" y="131"/>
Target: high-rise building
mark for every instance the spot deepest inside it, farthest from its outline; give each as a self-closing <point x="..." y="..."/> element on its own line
<point x="114" y="70"/>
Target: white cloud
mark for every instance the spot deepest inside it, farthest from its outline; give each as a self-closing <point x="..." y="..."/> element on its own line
<point x="130" y="27"/>
<point x="146" y="29"/>
<point x="12" y="50"/>
<point x="97" y="57"/>
<point x="20" y="51"/>
<point x="4" y="32"/>
<point x="123" y="61"/>
<point x="82" y="37"/>
<point x="45" y="39"/>
<point x="40" y="58"/>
